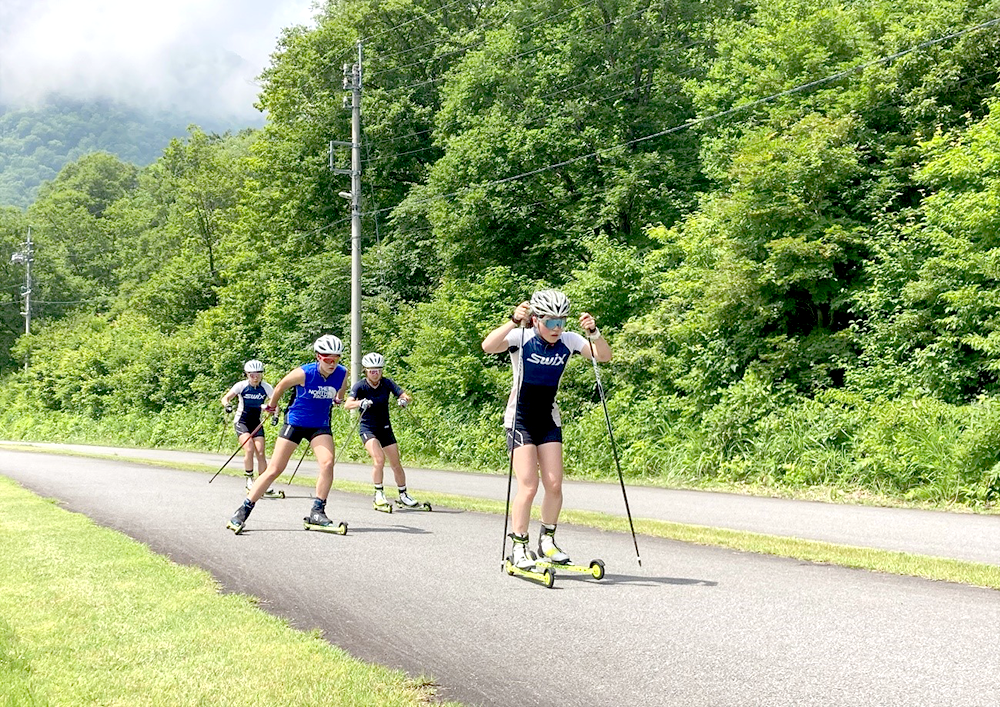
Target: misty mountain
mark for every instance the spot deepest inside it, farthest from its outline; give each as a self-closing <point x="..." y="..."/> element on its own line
<point x="35" y="143"/>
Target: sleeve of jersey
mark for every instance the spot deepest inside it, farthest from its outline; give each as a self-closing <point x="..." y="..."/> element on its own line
<point x="269" y="389"/>
<point x="353" y="393"/>
<point x="514" y="337"/>
<point x="238" y="387"/>
<point x="574" y="342"/>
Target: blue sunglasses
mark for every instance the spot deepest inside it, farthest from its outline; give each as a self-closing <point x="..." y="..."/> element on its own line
<point x="554" y="323"/>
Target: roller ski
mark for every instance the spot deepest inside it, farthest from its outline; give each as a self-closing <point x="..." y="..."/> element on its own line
<point x="550" y="556"/>
<point x="317" y="520"/>
<point x="404" y="501"/>
<point x="381" y="503"/>
<point x="595" y="568"/>
<point x="522" y="563"/>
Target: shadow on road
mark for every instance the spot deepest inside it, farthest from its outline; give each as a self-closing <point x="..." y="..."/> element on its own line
<point x="645" y="581"/>
<point x="406" y="529"/>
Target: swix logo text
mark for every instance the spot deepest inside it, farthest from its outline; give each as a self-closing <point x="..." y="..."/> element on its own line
<point x="556" y="360"/>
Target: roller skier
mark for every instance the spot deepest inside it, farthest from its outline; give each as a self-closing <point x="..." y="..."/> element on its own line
<point x="318" y="386"/>
<point x="370" y="396"/>
<point x="533" y="424"/>
<point x="251" y="394"/>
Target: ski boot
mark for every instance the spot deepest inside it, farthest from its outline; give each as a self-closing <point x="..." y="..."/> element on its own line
<point x="317" y="520"/>
<point x="547" y="548"/>
<point x="249" y="483"/>
<point x="381" y="503"/>
<point x="404" y="501"/>
<point x="521" y="563"/>
<point x="554" y="558"/>
<point x="238" y="522"/>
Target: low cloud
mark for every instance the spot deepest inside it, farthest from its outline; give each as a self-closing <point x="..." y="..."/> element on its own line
<point x="197" y="56"/>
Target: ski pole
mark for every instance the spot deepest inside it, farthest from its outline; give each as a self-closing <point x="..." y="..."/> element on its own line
<point x="423" y="430"/>
<point x="304" y="453"/>
<point x="510" y="468"/>
<point x="237" y="450"/>
<point x="348" y="438"/>
<point x="223" y="435"/>
<point x="614" y="449"/>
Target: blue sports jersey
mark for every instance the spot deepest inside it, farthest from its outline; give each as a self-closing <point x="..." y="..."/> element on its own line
<point x="314" y="399"/>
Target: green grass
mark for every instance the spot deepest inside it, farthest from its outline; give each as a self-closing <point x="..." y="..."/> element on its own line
<point x="90" y="617"/>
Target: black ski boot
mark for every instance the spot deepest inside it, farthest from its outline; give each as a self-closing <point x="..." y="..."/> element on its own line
<point x="239" y="519"/>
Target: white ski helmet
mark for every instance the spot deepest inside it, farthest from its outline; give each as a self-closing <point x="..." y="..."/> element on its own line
<point x="373" y="360"/>
<point x="549" y="303"/>
<point x="253" y="366"/>
<point x="328" y="344"/>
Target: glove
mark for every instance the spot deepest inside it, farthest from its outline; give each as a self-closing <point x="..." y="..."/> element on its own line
<point x="229" y="408"/>
<point x="365" y="404"/>
<point x="270" y="410"/>
<point x="402" y="402"/>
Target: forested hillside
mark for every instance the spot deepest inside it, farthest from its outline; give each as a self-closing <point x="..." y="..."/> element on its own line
<point x="783" y="215"/>
<point x="36" y="142"/>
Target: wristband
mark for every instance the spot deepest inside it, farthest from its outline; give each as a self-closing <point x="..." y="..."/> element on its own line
<point x="517" y="322"/>
<point x="594" y="334"/>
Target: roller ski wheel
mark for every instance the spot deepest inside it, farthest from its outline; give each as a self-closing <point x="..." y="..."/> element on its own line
<point x="335" y="529"/>
<point x="384" y="507"/>
<point x="274" y="494"/>
<point x="546" y="577"/>
<point x="237" y="528"/>
<point x="420" y="506"/>
<point x="594" y="569"/>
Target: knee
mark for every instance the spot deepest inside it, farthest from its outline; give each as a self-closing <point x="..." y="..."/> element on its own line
<point x="553" y="487"/>
<point x="528" y="486"/>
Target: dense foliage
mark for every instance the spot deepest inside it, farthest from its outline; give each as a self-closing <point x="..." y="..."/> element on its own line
<point x="784" y="216"/>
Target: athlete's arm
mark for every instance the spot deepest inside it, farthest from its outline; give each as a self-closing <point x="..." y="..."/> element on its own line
<point x="496" y="341"/>
<point x="599" y="343"/>
<point x="231" y="393"/>
<point x="399" y="392"/>
<point x="292" y="378"/>
<point x="352" y="398"/>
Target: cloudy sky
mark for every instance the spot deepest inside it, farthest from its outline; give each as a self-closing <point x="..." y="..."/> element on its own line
<point x="194" y="55"/>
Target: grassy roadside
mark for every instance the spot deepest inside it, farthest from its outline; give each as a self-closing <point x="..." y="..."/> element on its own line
<point x="875" y="560"/>
<point x="88" y="616"/>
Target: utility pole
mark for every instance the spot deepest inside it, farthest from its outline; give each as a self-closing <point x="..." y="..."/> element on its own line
<point x="352" y="83"/>
<point x="25" y="257"/>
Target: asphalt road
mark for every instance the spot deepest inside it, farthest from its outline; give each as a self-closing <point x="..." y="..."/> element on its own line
<point x="962" y="536"/>
<point x="423" y="592"/>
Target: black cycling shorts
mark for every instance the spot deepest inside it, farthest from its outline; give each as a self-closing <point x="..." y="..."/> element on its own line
<point x="537" y="435"/>
<point x="297" y="434"/>
<point x="384" y="436"/>
<point x="242" y="428"/>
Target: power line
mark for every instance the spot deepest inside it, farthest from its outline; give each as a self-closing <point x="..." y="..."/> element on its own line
<point x="722" y="114"/>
